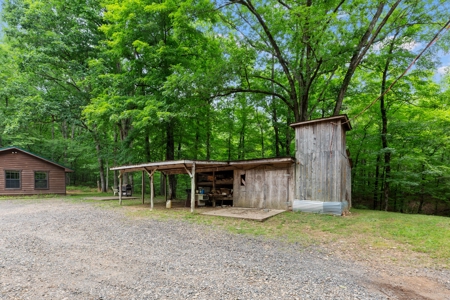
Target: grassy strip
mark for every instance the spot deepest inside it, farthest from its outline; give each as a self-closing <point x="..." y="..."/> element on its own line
<point x="365" y="233"/>
<point x="388" y="234"/>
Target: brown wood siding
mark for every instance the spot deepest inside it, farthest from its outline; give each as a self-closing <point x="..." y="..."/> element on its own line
<point x="27" y="165"/>
<point x="265" y="187"/>
<point x="321" y="162"/>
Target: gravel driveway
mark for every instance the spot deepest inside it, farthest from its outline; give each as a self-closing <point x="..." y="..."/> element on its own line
<point x="54" y="249"/>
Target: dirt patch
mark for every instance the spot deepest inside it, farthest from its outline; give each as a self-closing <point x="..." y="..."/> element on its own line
<point x="255" y="214"/>
<point x="409" y="287"/>
<point x="110" y="198"/>
<point x="403" y="274"/>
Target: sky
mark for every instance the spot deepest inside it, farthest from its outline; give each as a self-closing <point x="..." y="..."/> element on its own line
<point x="445" y="64"/>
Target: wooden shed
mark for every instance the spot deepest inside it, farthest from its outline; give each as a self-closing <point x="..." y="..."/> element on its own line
<point x="25" y="173"/>
<point x="319" y="173"/>
<point x="264" y="183"/>
<point x="258" y="183"/>
<point x="323" y="170"/>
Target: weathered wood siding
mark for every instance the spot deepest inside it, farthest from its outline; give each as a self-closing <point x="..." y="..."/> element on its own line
<point x="27" y="165"/>
<point x="322" y="166"/>
<point x="265" y="187"/>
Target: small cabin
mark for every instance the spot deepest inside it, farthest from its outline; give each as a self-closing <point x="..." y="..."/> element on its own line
<point x="25" y="173"/>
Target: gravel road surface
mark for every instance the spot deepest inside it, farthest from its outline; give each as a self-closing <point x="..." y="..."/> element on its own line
<point x="54" y="249"/>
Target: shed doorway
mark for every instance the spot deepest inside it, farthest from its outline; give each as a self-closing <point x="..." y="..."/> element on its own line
<point x="218" y="186"/>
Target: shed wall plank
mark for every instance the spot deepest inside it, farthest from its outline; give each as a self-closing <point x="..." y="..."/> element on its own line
<point x="320" y="170"/>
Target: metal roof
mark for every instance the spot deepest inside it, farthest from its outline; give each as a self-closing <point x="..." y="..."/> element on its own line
<point x="172" y="166"/>
<point x="262" y="161"/>
<point x="343" y="118"/>
<point x="182" y="166"/>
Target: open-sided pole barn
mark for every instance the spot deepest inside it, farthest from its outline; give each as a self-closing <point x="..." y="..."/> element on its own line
<point x="261" y="183"/>
<point x="190" y="167"/>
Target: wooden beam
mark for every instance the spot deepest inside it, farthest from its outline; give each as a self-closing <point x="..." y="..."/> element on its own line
<point x="193" y="188"/>
<point x="150" y="173"/>
<point x="187" y="170"/>
<point x="143" y="187"/>
<point x="120" y="187"/>
<point x="214" y="188"/>
<point x="288" y="179"/>
<point x="152" y="191"/>
<point x="165" y="187"/>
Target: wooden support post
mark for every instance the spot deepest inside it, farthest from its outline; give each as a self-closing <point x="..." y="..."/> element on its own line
<point x="192" y="175"/>
<point x="143" y="187"/>
<point x="120" y="187"/>
<point x="193" y="188"/>
<point x="288" y="178"/>
<point x="152" y="191"/>
<point x="214" y="189"/>
<point x="165" y="186"/>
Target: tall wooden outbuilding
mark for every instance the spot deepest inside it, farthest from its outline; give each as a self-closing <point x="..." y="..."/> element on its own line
<point x="323" y="169"/>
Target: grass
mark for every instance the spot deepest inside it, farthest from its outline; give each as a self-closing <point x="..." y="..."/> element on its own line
<point x="412" y="240"/>
<point x="75" y="193"/>
<point x="30" y="197"/>
<point x="405" y="238"/>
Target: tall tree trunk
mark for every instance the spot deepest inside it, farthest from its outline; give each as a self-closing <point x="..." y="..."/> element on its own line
<point x="377" y="176"/>
<point x="162" y="184"/>
<point x="361" y="49"/>
<point x="384" y="126"/>
<point x="197" y="138"/>
<point x="170" y="155"/>
<point x="179" y="149"/>
<point x="241" y="154"/>
<point x="261" y="131"/>
<point x="125" y="127"/>
<point x="147" y="151"/>
<point x="116" y="173"/>
<point x="422" y="190"/>
<point x="387" y="159"/>
<point x="101" y="166"/>
<point x="229" y="146"/>
<point x="288" y="134"/>
<point x="208" y="132"/>
<point x="276" y="130"/>
<point x="274" y="112"/>
<point x="402" y="202"/>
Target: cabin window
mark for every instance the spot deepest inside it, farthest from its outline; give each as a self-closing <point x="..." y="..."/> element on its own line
<point x="40" y="180"/>
<point x="12" y="179"/>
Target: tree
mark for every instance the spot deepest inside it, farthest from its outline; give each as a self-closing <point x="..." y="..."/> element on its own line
<point x="145" y="43"/>
<point x="317" y="46"/>
<point x="54" y="41"/>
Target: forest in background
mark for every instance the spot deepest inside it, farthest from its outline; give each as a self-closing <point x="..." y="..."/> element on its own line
<point x="99" y="83"/>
